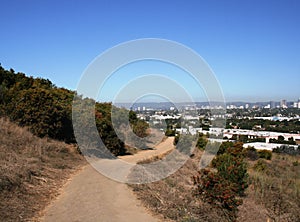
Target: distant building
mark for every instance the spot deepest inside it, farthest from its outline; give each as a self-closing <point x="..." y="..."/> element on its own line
<point x="298" y="104"/>
<point x="231" y="106"/>
<point x="266" y="146"/>
<point x="283" y="104"/>
<point x="272" y="104"/>
<point x="182" y="130"/>
<point x="251" y="134"/>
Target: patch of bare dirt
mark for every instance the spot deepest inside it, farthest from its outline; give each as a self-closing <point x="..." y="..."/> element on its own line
<point x="90" y="197"/>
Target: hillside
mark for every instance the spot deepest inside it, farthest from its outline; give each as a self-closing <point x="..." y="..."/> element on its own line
<point x="272" y="191"/>
<point x="38" y="150"/>
<point x="31" y="171"/>
<point x="47" y="110"/>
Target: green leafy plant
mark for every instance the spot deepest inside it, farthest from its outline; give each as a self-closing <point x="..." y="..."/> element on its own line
<point x="224" y="186"/>
<point x="265" y="154"/>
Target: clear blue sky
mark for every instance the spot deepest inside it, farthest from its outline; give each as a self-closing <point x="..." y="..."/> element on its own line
<point x="252" y="46"/>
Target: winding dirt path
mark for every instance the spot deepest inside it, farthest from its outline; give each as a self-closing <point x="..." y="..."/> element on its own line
<point x="160" y="149"/>
<point x="90" y="196"/>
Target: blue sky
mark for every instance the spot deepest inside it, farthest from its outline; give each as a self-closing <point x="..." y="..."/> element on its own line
<point x="253" y="47"/>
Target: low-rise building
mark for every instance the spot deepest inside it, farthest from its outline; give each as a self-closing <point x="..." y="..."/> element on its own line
<point x="266" y="146"/>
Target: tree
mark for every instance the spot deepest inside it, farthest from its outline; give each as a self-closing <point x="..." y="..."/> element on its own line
<point x="47" y="110"/>
<point x="280" y="138"/>
<point x="202" y="141"/>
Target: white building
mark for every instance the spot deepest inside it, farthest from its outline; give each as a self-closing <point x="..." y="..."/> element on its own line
<point x="194" y="131"/>
<point x="265" y="146"/>
<point x="182" y="130"/>
<point x="251" y="134"/>
<point x="296" y="105"/>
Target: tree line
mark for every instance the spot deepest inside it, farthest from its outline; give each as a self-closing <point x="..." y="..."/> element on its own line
<point x="46" y="110"/>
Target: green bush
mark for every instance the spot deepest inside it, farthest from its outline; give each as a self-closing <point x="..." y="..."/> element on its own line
<point x="260" y="166"/>
<point x="225" y="186"/>
<point x="233" y="169"/>
<point x="296" y="163"/>
<point x="224" y="146"/>
<point x="47" y="110"/>
<point x="265" y="154"/>
<point x="251" y="153"/>
<point x="202" y="141"/>
<point x="170" y="132"/>
<point x="216" y="190"/>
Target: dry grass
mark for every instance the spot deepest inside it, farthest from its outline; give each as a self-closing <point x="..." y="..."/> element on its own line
<point x="273" y="195"/>
<point x="31" y="171"/>
<point x="173" y="197"/>
<point x="154" y="158"/>
<point x="275" y="185"/>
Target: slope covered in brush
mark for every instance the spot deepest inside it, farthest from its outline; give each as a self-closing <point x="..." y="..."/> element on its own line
<point x="46" y="110"/>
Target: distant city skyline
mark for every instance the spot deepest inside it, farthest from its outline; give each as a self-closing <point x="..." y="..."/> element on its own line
<point x="252" y="46"/>
<point x="140" y="105"/>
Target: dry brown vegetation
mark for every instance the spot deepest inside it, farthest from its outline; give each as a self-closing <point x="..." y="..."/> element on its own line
<point x="272" y="195"/>
<point x="174" y="198"/>
<point x="31" y="171"/>
<point x="275" y="184"/>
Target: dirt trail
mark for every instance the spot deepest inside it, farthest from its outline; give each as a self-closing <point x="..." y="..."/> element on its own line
<point x="160" y="149"/>
<point x="90" y="196"/>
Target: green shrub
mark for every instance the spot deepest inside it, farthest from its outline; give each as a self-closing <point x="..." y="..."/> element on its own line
<point x="225" y="186"/>
<point x="217" y="191"/>
<point x="202" y="141"/>
<point x="296" y="163"/>
<point x="224" y="146"/>
<point x="260" y="166"/>
<point x="265" y="154"/>
<point x="251" y="153"/>
<point x="170" y="132"/>
<point x="47" y="111"/>
<point x="233" y="169"/>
